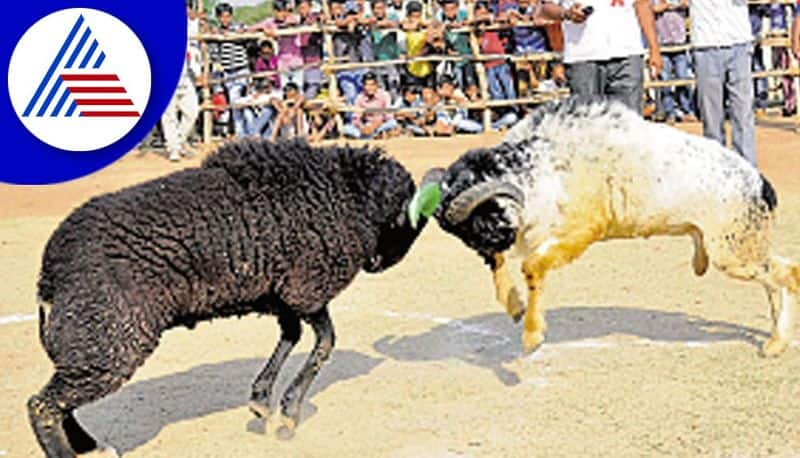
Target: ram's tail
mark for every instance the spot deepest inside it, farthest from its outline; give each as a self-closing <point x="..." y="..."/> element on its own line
<point x="768" y="195"/>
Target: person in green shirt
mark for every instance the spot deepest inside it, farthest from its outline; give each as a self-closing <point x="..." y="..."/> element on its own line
<point x="386" y="46"/>
<point x="454" y="17"/>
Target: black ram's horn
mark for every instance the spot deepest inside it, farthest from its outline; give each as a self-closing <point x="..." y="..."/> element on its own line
<point x="468" y="200"/>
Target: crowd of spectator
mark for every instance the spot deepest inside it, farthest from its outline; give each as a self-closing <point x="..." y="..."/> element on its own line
<point x="407" y="67"/>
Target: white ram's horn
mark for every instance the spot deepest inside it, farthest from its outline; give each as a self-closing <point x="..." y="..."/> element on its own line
<point x="468" y="200"/>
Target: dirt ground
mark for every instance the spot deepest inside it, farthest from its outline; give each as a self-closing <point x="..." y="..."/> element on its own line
<point x="642" y="357"/>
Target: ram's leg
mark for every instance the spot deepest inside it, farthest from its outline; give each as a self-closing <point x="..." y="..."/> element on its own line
<point x="552" y="254"/>
<point x="507" y="294"/>
<point x="781" y="278"/>
<point x="290" y="404"/>
<point x="700" y="259"/>
<point x="264" y="382"/>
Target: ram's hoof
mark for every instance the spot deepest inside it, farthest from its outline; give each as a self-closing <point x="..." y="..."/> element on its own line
<point x="286" y="430"/>
<point x="516" y="308"/>
<point x="260" y="410"/>
<point x="101" y="452"/>
<point x="531" y="341"/>
<point x="774" y="347"/>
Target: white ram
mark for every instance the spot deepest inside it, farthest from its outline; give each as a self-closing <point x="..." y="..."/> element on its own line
<point x="582" y="171"/>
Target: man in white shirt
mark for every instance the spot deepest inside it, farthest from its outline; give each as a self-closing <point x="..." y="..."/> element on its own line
<point x="603" y="49"/>
<point x="723" y="49"/>
<point x="181" y="114"/>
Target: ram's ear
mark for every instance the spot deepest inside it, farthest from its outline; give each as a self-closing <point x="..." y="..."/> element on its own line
<point x="424" y="203"/>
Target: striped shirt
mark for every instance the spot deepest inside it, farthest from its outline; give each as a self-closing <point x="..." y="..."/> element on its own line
<point x="230" y="55"/>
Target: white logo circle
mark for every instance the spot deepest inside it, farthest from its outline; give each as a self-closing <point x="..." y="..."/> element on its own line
<point x="79" y="79"/>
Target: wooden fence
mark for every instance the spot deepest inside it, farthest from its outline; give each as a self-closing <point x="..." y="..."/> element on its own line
<point x="331" y="64"/>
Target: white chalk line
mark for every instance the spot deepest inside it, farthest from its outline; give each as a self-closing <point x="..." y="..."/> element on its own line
<point x="18" y="318"/>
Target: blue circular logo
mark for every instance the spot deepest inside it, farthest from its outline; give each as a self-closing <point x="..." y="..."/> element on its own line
<point x="86" y="84"/>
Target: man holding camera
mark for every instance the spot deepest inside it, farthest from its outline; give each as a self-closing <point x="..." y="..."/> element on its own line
<point x="603" y="46"/>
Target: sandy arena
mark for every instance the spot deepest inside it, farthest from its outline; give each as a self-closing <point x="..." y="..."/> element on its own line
<point x="642" y="357"/>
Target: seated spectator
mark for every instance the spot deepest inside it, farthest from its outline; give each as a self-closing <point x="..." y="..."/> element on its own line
<point x="503" y="118"/>
<point x="290" y="121"/>
<point x="498" y="72"/>
<point x="671" y="31"/>
<point x="230" y="63"/>
<point x="257" y="118"/>
<point x="412" y="122"/>
<point x="311" y="50"/>
<point x="386" y="46"/>
<point x="371" y="124"/>
<point x="267" y="61"/>
<point x="456" y="117"/>
<point x="434" y="124"/>
<point x="290" y="58"/>
<point x="322" y="117"/>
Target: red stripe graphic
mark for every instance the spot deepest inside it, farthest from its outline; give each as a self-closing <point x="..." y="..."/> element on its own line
<point x="90" y="77"/>
<point x="97" y="90"/>
<point x="101" y="102"/>
<point x="110" y="114"/>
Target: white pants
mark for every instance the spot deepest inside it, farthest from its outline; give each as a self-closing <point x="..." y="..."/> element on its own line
<point x="178" y="127"/>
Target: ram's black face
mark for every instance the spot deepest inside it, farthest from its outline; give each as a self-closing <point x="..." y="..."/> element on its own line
<point x="391" y="189"/>
<point x="394" y="241"/>
<point x="488" y="230"/>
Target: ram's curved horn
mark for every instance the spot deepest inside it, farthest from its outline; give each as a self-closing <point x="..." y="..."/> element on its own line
<point x="468" y="200"/>
<point x="433" y="175"/>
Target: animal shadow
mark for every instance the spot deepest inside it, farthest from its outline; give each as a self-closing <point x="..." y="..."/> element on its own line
<point x="492" y="339"/>
<point x="135" y="414"/>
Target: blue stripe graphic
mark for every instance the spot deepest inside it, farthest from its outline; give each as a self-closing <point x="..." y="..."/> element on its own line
<point x="53" y="92"/>
<point x="72" y="108"/>
<point x="79" y="48"/>
<point x="53" y="66"/>
<point x="89" y="54"/>
<point x="60" y="103"/>
<point x="100" y="59"/>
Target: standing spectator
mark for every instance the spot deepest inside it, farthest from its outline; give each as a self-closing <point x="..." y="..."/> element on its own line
<point x="528" y="40"/>
<point x="348" y="47"/>
<point x="267" y="61"/>
<point x="416" y="40"/>
<point x="412" y="122"/>
<point x="229" y="59"/>
<point x="181" y="114"/>
<point x="290" y="57"/>
<point x="671" y="30"/>
<point x="257" y="118"/>
<point x="290" y="120"/>
<point x="311" y="49"/>
<point x="722" y="42"/>
<point x="498" y="72"/>
<point x="386" y="46"/>
<point x="453" y="16"/>
<point x="780" y="56"/>
<point x="371" y="124"/>
<point x="795" y="38"/>
<point x="756" y="14"/>
<point x="396" y="9"/>
<point x="603" y="50"/>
